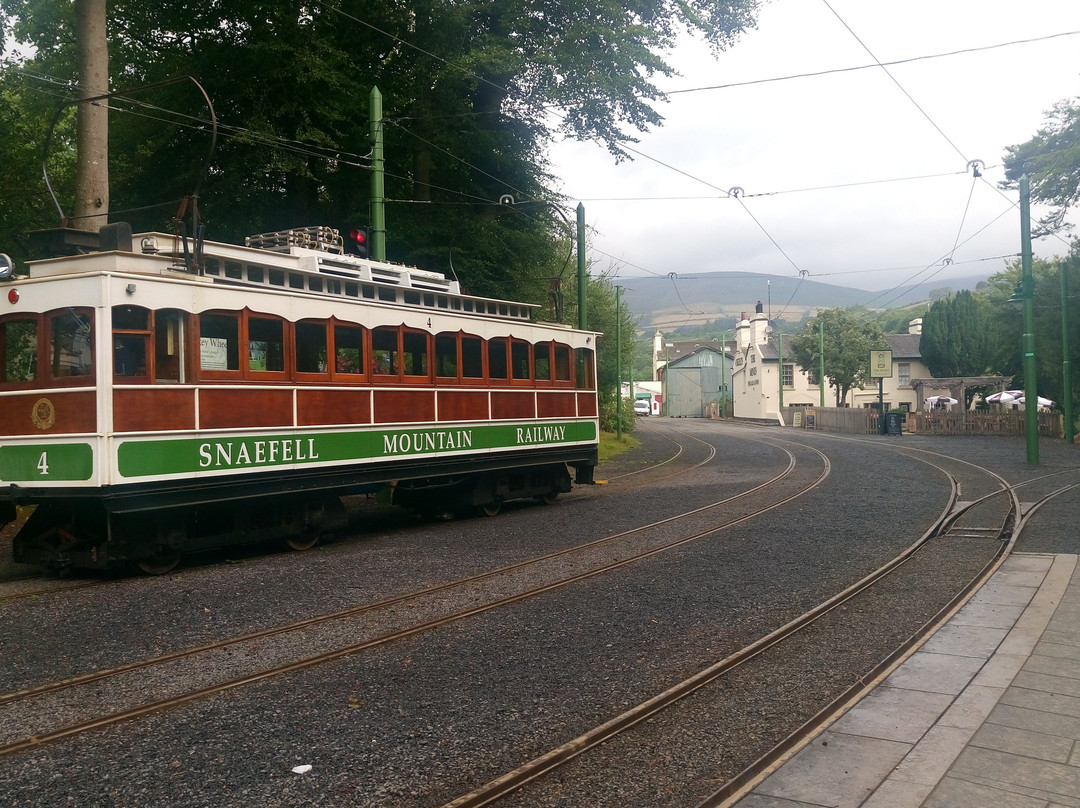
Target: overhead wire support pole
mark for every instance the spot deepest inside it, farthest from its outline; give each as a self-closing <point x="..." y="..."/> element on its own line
<point x="1066" y="370"/>
<point x="1031" y="396"/>
<point x="582" y="277"/>
<point x="378" y="192"/>
<point x="618" y="365"/>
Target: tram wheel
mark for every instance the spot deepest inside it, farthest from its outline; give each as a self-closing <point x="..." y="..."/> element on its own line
<point x="163" y="561"/>
<point x="491" y="508"/>
<point x="301" y="541"/>
<point x="549" y="498"/>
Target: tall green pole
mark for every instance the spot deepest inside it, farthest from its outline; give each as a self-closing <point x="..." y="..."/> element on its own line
<point x="1031" y="397"/>
<point x="378" y="193"/>
<point x="582" y="278"/>
<point x="780" y="369"/>
<point x="1066" y="371"/>
<point x="821" y="363"/>
<point x="618" y="366"/>
<point x="723" y="375"/>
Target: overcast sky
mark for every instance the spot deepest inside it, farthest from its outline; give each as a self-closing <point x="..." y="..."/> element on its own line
<point x="670" y="213"/>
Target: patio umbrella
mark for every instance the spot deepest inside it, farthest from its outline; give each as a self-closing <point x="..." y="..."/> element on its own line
<point x="1005" y="397"/>
<point x="934" y="401"/>
<point x="1044" y="403"/>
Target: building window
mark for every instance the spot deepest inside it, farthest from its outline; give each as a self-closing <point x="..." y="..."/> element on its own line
<point x="903" y="373"/>
<point x="788" y="378"/>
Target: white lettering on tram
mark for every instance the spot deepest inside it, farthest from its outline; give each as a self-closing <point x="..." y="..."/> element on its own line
<point x="541" y="434"/>
<point x="230" y="454"/>
<point x="430" y="441"/>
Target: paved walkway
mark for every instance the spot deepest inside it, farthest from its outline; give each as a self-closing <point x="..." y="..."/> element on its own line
<point x="985" y="714"/>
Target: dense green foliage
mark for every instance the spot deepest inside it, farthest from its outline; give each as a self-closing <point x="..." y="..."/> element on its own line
<point x="849" y="337"/>
<point x="1051" y="160"/>
<point x="956" y="338"/>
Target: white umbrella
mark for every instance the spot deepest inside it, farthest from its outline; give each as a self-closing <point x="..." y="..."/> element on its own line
<point x="1044" y="403"/>
<point x="1005" y="397"/>
<point x="934" y="401"/>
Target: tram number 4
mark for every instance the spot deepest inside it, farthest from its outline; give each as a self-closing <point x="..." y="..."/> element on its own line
<point x="43" y="464"/>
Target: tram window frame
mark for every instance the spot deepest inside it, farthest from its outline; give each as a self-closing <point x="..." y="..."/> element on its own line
<point x="349" y="366"/>
<point x="564" y="367"/>
<point x="498" y="361"/>
<point x="521" y="362"/>
<point x="311" y="350"/>
<point x="447" y="356"/>
<point x="543" y="368"/>
<point x="585" y="360"/>
<point x="33" y="330"/>
<point x="132" y="329"/>
<point x="415" y="355"/>
<point x="385" y="353"/>
<point x="170" y="360"/>
<point x="85" y="376"/>
<point x="229" y="352"/>
<point x="267" y="356"/>
<point x="472" y="359"/>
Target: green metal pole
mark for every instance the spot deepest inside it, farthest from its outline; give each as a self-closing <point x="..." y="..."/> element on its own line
<point x="821" y="362"/>
<point x="1031" y="397"/>
<point x="582" y="277"/>
<point x="780" y="370"/>
<point x="1066" y="371"/>
<point x="723" y="377"/>
<point x="618" y="366"/>
<point x="378" y="193"/>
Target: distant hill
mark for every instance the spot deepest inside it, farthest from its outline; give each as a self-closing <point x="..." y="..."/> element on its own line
<point x="694" y="299"/>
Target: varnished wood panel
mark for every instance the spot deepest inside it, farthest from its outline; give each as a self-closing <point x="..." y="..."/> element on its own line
<point x="316" y="407"/>
<point x="162" y="408"/>
<point x="68" y="413"/>
<point x="463" y="405"/>
<point x="556" y="405"/>
<point x="392" y="406"/>
<point x="505" y="404"/>
<point x="586" y="404"/>
<point x="260" y="407"/>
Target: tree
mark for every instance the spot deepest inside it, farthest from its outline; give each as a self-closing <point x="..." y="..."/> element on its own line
<point x="602" y="317"/>
<point x="473" y="92"/>
<point x="956" y="338"/>
<point x="1051" y="160"/>
<point x="850" y="335"/>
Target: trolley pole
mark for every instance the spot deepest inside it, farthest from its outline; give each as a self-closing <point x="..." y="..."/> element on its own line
<point x="618" y="366"/>
<point x="1031" y="397"/>
<point x="378" y="192"/>
<point x="1066" y="370"/>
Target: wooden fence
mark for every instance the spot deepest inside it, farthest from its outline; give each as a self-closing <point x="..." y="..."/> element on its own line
<point x="862" y="421"/>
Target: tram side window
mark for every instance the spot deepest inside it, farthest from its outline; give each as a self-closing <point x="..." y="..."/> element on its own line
<point x="472" y="358"/>
<point x="170" y="326"/>
<point x="348" y="349"/>
<point x="71" y="344"/>
<point x="131" y="339"/>
<point x="310" y="347"/>
<point x="18" y="350"/>
<point x="497" y="368"/>
<point x="586" y="377"/>
<point x="562" y="363"/>
<point x="542" y="362"/>
<point x="384" y="351"/>
<point x="266" y="344"/>
<point x="415" y="355"/>
<point x="219" y="342"/>
<point x="519" y="359"/>
<point x="446" y="357"/>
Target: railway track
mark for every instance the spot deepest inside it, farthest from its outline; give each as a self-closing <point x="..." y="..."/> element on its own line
<point x="157" y="683"/>
<point x="684" y="718"/>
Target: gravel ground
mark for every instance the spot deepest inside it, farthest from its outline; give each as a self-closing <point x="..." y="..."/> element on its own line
<point x="423" y="720"/>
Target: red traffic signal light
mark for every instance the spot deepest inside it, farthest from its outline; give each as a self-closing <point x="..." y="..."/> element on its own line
<point x="356" y="242"/>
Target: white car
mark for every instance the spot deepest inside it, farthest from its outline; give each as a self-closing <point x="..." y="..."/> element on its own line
<point x="642" y="407"/>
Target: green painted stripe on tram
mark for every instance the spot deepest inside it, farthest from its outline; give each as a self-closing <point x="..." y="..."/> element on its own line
<point x="136" y="458"/>
<point x="46" y="462"/>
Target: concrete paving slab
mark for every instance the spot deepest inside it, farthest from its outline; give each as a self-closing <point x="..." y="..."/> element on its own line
<point x="896" y="794"/>
<point x="972" y="707"/>
<point x="1006" y="715"/>
<point x="932" y="756"/>
<point x="999" y="670"/>
<point x="935" y="673"/>
<point x="965" y="641"/>
<point x="1059" y="650"/>
<point x="1017" y="773"/>
<point x="1006" y="595"/>
<point x="894" y="714"/>
<point x="954" y="793"/>
<point x="988" y="615"/>
<point x="1058" y="685"/>
<point x="1029" y="743"/>
<point x="835" y="770"/>
<point x="1052" y="666"/>
<point x="1041" y="701"/>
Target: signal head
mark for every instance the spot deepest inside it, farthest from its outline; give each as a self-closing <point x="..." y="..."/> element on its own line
<point x="357" y="242"/>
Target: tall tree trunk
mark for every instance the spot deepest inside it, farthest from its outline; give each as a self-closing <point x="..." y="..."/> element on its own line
<point x="92" y="176"/>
